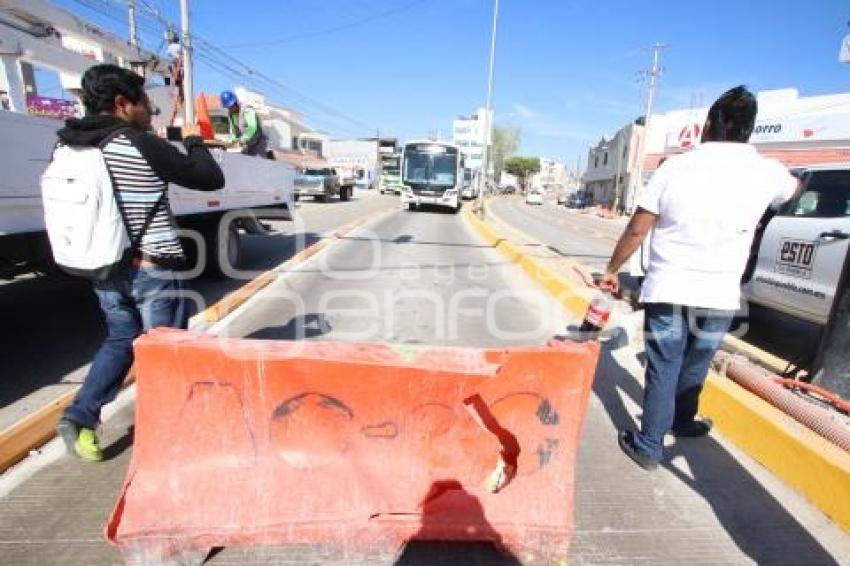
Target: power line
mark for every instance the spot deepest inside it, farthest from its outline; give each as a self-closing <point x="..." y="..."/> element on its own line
<point x="278" y="84"/>
<point x="248" y="73"/>
<point x="234" y="74"/>
<point x="329" y="31"/>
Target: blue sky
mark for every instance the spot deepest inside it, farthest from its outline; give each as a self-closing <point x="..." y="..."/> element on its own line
<point x="565" y="70"/>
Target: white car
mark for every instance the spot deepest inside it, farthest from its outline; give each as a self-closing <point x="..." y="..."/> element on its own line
<point x="803" y="249"/>
<point x="534" y="196"/>
<point x="802" y="270"/>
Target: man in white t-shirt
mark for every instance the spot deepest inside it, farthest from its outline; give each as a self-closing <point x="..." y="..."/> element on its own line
<point x="703" y="207"/>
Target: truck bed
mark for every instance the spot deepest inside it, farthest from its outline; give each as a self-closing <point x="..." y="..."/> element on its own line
<point x="251" y="182"/>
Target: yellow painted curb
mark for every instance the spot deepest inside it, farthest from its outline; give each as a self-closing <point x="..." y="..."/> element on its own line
<point x="573" y="297"/>
<point x="794" y="453"/>
<point x="800" y="457"/>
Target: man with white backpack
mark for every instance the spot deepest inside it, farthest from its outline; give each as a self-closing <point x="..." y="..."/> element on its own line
<point x="108" y="218"/>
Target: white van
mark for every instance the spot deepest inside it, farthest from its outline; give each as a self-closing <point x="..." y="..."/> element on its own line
<point x="534" y="196"/>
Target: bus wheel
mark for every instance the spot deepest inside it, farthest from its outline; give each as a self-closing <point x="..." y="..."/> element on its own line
<point x="411" y="206"/>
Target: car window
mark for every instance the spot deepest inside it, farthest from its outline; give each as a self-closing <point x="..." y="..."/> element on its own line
<point x="827" y="195"/>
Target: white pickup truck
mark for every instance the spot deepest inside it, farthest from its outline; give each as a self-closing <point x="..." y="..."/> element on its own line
<point x="254" y="188"/>
<point x="801" y="268"/>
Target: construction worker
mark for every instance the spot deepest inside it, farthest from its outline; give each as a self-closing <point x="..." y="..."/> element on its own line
<point x="245" y="126"/>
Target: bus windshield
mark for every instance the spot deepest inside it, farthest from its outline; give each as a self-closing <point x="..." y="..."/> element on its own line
<point x="433" y="165"/>
<point x="391" y="165"/>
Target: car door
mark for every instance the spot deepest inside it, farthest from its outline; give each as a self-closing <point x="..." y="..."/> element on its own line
<point x="804" y="248"/>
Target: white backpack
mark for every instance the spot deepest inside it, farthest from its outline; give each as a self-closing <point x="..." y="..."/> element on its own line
<point x="84" y="223"/>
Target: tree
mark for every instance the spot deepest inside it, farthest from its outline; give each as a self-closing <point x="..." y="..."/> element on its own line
<point x="523" y="168"/>
<point x="505" y="144"/>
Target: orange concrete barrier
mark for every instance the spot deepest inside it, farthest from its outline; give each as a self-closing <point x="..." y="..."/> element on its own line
<point x="360" y="447"/>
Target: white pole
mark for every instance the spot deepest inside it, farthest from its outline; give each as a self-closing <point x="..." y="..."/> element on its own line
<point x="188" y="91"/>
<point x="654" y="73"/>
<point x="131" y="17"/>
<point x="488" y="138"/>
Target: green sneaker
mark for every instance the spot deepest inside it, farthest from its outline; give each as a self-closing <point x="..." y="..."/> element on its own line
<point x="87" y="446"/>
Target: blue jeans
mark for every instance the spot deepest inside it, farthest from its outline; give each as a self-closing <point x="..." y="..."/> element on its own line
<point x="680" y="344"/>
<point x="134" y="300"/>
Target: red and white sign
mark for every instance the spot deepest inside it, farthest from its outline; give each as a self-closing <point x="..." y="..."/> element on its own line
<point x="689" y="135"/>
<point x="830" y="125"/>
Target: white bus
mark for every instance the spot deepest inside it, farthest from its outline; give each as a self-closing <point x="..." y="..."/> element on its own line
<point x="432" y="174"/>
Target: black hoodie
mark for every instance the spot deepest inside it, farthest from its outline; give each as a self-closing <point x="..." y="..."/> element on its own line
<point x="141" y="166"/>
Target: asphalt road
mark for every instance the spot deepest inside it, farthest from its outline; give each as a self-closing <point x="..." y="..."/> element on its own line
<point x="414" y="277"/>
<point x="424" y="278"/>
<point x="53" y="324"/>
<point x="584" y="238"/>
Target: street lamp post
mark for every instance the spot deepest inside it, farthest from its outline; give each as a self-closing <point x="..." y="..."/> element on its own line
<point x="488" y="137"/>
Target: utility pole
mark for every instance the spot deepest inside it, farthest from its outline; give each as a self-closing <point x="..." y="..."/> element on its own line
<point x="651" y="76"/>
<point x="188" y="90"/>
<point x="578" y="173"/>
<point x="488" y="137"/>
<point x="618" y="194"/>
<point x="131" y="19"/>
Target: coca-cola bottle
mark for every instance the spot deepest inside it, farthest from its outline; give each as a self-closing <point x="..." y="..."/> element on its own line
<point x="596" y="316"/>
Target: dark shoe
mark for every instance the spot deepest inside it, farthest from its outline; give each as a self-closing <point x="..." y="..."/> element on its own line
<point x="68" y="431"/>
<point x="693" y="429"/>
<point x="625" y="441"/>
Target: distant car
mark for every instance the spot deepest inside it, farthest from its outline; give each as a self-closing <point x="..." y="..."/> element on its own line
<point x="534" y="196"/>
<point x="576" y="200"/>
<point x="562" y="198"/>
<point x="321" y="183"/>
<point x="508" y="190"/>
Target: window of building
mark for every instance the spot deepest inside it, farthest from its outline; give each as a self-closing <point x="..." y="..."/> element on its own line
<point x="596" y="161"/>
<point x="605" y="159"/>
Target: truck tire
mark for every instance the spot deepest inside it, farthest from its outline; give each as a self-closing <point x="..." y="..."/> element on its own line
<point x="321" y="198"/>
<point x="295" y="197"/>
<point x="345" y="194"/>
<point x="224" y="252"/>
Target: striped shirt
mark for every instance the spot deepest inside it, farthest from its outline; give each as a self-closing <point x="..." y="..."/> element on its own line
<point x="141" y="166"/>
<point x="138" y="189"/>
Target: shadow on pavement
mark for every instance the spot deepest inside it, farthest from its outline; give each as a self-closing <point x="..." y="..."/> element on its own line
<point x="310" y="325"/>
<point x="409" y="240"/>
<point x="463" y="508"/>
<point x="118" y="447"/>
<point x="39" y="349"/>
<point x="757" y="523"/>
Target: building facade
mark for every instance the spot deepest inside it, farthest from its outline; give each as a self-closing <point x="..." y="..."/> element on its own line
<point x="798" y="131"/>
<point x="553" y="175"/>
<point x="610" y="166"/>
